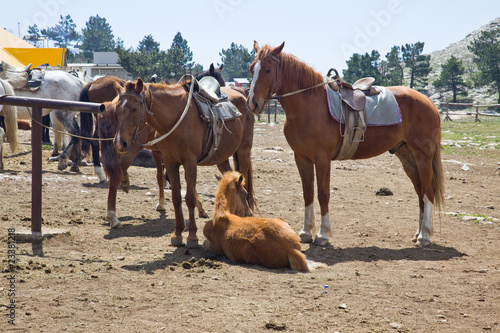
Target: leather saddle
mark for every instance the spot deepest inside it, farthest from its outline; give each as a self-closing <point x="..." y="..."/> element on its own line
<point x="209" y="88"/>
<point x="353" y="95"/>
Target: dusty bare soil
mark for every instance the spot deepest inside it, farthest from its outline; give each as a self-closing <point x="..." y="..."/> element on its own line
<point x="94" y="279"/>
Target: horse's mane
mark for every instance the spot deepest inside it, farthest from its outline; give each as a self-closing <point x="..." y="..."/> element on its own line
<point x="295" y="70"/>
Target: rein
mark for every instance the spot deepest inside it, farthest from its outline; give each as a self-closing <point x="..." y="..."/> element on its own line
<point x="155" y="141"/>
<point x="276" y="82"/>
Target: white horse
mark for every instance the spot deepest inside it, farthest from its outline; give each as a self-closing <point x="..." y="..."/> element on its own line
<point x="61" y="85"/>
<point x="10" y="119"/>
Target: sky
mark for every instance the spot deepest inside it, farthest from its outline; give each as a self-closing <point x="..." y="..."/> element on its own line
<point x="324" y="34"/>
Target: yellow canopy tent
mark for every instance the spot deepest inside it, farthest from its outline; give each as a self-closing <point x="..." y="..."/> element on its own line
<point x="20" y="53"/>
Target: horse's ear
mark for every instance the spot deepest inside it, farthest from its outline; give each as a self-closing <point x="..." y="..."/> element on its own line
<point x="218" y="178"/>
<point x="277" y="50"/>
<point x="240" y="181"/>
<point x="139" y="86"/>
<point x="256" y="46"/>
<point x="220" y="68"/>
<point x="212" y="69"/>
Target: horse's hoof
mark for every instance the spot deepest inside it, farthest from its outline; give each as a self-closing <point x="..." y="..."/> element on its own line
<point x="192" y="244"/>
<point x="423" y="242"/>
<point x="177" y="242"/>
<point x="160" y="208"/>
<point x="74" y="168"/>
<point x="320" y="241"/>
<point x="115" y="225"/>
<point x="305" y="237"/>
<point x="203" y="214"/>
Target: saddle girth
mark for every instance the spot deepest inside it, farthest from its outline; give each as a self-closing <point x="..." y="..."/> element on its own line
<point x="353" y="99"/>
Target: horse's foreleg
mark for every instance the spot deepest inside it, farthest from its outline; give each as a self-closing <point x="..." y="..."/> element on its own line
<point x="191" y="198"/>
<point x="161" y="181"/>
<point x="306" y="171"/>
<point x="111" y="211"/>
<point x="173" y="173"/>
<point x="323" y="167"/>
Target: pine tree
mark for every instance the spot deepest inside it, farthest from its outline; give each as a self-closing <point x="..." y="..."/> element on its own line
<point x="418" y="64"/>
<point x="236" y="61"/>
<point x="451" y="78"/>
<point x="364" y="65"/>
<point x="63" y="32"/>
<point x="394" y="73"/>
<point x="34" y="34"/>
<point x="179" y="57"/>
<point x="97" y="36"/>
<point x="486" y="48"/>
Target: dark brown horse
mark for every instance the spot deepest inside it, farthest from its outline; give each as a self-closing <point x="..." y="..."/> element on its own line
<point x="161" y="107"/>
<point x="315" y="137"/>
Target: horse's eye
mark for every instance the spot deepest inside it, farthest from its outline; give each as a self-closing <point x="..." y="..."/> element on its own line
<point x="268" y="70"/>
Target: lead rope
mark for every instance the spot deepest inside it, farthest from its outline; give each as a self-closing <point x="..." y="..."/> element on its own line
<point x="155" y="141"/>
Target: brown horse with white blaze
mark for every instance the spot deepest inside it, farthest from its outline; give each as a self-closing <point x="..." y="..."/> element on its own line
<point x="161" y="107"/>
<point x="315" y="136"/>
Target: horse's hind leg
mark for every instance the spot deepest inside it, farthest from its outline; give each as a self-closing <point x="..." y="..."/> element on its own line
<point x="414" y="171"/>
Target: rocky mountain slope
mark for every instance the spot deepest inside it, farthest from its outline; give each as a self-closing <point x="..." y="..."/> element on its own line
<point x="483" y="95"/>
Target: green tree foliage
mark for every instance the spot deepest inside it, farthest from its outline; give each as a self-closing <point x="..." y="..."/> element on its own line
<point x="363" y="65"/>
<point x="97" y="36"/>
<point x="486" y="48"/>
<point x="394" y="72"/>
<point x="148" y="45"/>
<point x="418" y="64"/>
<point x="179" y="57"/>
<point x="145" y="61"/>
<point x="451" y="78"/>
<point x="34" y="34"/>
<point x="63" y="32"/>
<point x="236" y="61"/>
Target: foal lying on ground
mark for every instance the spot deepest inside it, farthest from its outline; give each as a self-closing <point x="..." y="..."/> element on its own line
<point x="262" y="241"/>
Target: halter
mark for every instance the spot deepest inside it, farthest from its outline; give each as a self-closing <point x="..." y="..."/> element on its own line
<point x="143" y="107"/>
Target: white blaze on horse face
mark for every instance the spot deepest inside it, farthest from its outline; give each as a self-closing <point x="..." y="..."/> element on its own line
<point x="124" y="103"/>
<point x="256" y="71"/>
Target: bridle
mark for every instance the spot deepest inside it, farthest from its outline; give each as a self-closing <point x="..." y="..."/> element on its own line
<point x="184" y="79"/>
<point x="145" y="111"/>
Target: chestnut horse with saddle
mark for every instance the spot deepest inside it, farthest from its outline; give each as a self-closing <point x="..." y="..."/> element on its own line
<point x="316" y="136"/>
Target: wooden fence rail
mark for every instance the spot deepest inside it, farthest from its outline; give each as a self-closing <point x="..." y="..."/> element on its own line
<point x="477" y="113"/>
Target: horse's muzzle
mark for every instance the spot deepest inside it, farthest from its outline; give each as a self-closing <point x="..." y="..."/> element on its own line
<point x="254" y="107"/>
<point x="122" y="146"/>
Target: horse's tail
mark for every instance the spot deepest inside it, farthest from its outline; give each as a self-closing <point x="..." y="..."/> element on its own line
<point x="110" y="158"/>
<point x="298" y="261"/>
<point x="86" y="120"/>
<point x="437" y="168"/>
<point x="10" y="116"/>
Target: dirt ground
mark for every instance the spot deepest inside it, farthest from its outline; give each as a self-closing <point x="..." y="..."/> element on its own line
<point x="94" y="279"/>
